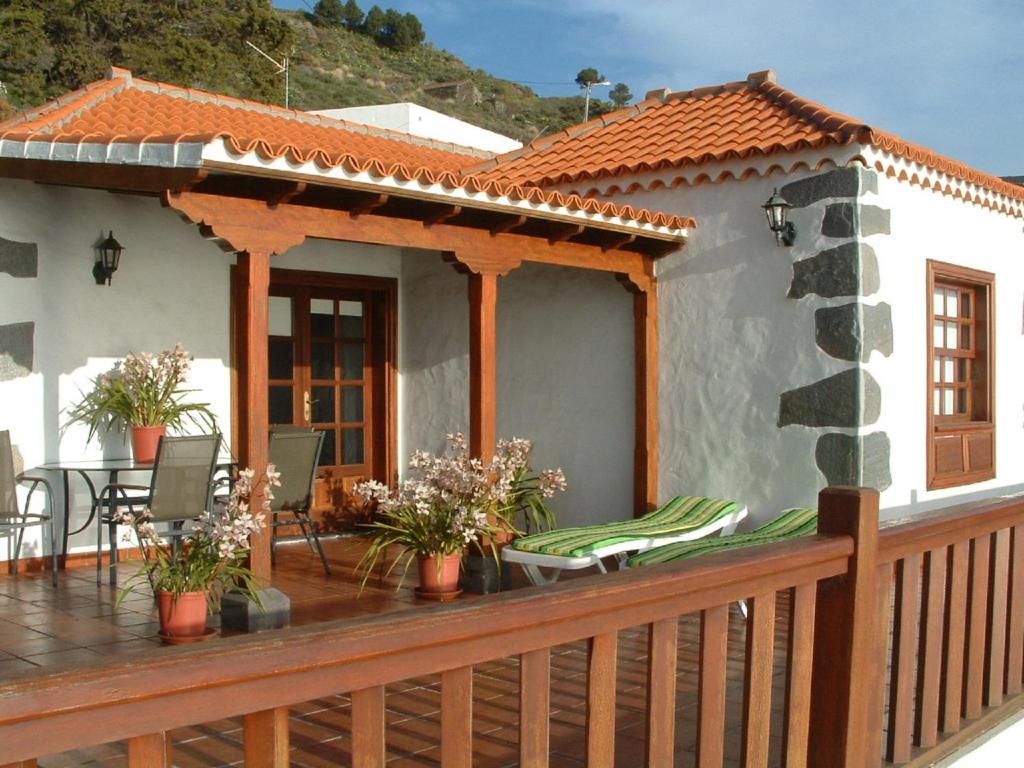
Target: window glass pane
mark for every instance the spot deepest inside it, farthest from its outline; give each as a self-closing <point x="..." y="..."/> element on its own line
<point x="961" y="401"/>
<point x="352" y="404"/>
<point x="323" y="404"/>
<point x="939" y="334"/>
<point x="328" y="452"/>
<point x="965" y="305"/>
<point x="962" y="370"/>
<point x="322" y="359"/>
<point x="351" y="319"/>
<point x="951" y="308"/>
<point x="321" y="319"/>
<point x="937" y="302"/>
<point x="951" y="335"/>
<point x="352" y="446"/>
<point x="280" y="321"/>
<point x="352" y="362"/>
<point x="947" y="402"/>
<point x="965" y="337"/>
<point x="947" y="372"/>
<point x="280" y="405"/>
<point x="280" y="358"/>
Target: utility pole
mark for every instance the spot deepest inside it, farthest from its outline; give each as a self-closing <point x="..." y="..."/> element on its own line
<point x="586" y="103"/>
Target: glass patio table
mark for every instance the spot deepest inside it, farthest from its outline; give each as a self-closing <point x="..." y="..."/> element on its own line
<point x="112" y="468"/>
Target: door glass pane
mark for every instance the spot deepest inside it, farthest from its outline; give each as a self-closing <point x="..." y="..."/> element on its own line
<point x="352" y="362"/>
<point x="351" y="319"/>
<point x="280" y="358"/>
<point x="327" y="453"/>
<point x="280" y="405"/>
<point x="280" y="321"/>
<point x="937" y="405"/>
<point x="947" y="402"/>
<point x="352" y="404"/>
<point x="352" y="446"/>
<point x="321" y="317"/>
<point x="322" y="359"/>
<point x="323" y="404"/>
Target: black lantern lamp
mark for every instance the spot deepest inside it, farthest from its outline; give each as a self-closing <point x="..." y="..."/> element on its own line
<point x="776" y="209"/>
<point x="109" y="255"/>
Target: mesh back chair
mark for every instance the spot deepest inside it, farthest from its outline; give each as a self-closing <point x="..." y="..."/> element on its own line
<point x="179" y="490"/>
<point x="11" y="517"/>
<point x="295" y="453"/>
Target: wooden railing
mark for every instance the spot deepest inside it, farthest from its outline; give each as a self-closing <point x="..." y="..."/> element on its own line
<point x="969" y="638"/>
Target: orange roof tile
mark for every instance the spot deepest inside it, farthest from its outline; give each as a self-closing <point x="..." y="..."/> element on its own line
<point x="127" y="110"/>
<point x="755" y="117"/>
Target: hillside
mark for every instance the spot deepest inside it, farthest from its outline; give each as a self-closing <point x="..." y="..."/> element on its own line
<point x="48" y="47"/>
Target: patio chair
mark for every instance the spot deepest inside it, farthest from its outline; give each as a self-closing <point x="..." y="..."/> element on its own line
<point x="179" y="490"/>
<point x="682" y="519"/>
<point x="296" y="453"/>
<point x="798" y="521"/>
<point x="12" y="518"/>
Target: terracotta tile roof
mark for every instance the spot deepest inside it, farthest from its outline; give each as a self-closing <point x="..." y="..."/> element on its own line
<point x="125" y="110"/>
<point x="755" y="117"/>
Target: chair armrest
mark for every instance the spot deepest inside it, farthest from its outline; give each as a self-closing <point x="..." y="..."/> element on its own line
<point x="35" y="483"/>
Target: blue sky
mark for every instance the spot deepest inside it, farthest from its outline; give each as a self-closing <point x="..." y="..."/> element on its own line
<point x="949" y="75"/>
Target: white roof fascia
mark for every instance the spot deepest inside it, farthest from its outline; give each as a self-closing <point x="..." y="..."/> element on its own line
<point x="216" y="152"/>
<point x="902" y="169"/>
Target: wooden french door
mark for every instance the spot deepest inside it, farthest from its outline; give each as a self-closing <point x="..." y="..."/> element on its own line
<point x="331" y="366"/>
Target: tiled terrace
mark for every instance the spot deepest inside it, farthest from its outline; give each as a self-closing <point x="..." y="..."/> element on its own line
<point x="78" y="623"/>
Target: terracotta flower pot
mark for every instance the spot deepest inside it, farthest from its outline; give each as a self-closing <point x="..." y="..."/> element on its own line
<point x="145" y="441"/>
<point x="439" y="579"/>
<point x="184" y="617"/>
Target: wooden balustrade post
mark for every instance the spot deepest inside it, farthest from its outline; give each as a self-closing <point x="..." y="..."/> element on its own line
<point x="150" y="751"/>
<point x="847" y="668"/>
<point x="266" y="738"/>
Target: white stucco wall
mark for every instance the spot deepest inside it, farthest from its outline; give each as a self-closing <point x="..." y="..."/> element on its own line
<point x="731" y="342"/>
<point x="927" y="225"/>
<point x="565" y="367"/>
<point x="172" y="285"/>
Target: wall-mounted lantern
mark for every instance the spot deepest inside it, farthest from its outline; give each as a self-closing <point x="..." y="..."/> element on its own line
<point x="109" y="255"/>
<point x="776" y="209"/>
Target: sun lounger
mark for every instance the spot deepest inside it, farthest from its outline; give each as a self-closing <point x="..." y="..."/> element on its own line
<point x="684" y="518"/>
<point x="799" y="521"/>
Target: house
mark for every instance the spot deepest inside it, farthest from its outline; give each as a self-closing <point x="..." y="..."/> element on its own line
<point x="547" y="292"/>
<point x="729" y="366"/>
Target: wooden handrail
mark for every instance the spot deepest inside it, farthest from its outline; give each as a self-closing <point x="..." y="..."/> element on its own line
<point x="138" y="696"/>
<point x="901" y="538"/>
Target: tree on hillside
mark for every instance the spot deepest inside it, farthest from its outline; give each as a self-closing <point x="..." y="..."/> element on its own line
<point x="407" y="33"/>
<point x="328" y="13"/>
<point x="620" y="95"/>
<point x="589" y="77"/>
<point x="374" y="22"/>
<point x="352" y="15"/>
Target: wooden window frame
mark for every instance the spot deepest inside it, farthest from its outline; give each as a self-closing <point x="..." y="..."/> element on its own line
<point x="976" y="427"/>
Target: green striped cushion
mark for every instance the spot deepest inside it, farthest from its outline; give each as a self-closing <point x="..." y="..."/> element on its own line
<point x="679" y="516"/>
<point x="800" y="521"/>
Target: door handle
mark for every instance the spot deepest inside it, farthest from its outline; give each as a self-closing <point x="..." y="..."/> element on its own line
<point x="307" y="407"/>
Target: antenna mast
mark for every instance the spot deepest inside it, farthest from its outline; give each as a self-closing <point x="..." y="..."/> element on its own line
<point x="282" y="68"/>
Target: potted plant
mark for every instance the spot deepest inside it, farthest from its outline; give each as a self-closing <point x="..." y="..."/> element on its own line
<point x="189" y="580"/>
<point x="144" y="393"/>
<point x="453" y="502"/>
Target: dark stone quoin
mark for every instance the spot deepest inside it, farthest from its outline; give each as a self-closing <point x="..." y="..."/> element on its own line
<point x="17" y="350"/>
<point x="855" y="459"/>
<point x="843" y="182"/>
<point x="848" y="399"/>
<point x="19" y="259"/>
<point x="853" y="331"/>
<point x="850" y="269"/>
<point x="852" y="220"/>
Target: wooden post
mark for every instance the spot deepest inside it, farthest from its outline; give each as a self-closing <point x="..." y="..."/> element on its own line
<point x="846" y="668"/>
<point x="645" y="430"/>
<point x="483" y="364"/>
<point x="266" y="738"/>
<point x="254" y="415"/>
<point x="150" y="751"/>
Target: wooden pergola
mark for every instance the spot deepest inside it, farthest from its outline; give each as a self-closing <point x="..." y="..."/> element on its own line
<point x="263" y="213"/>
